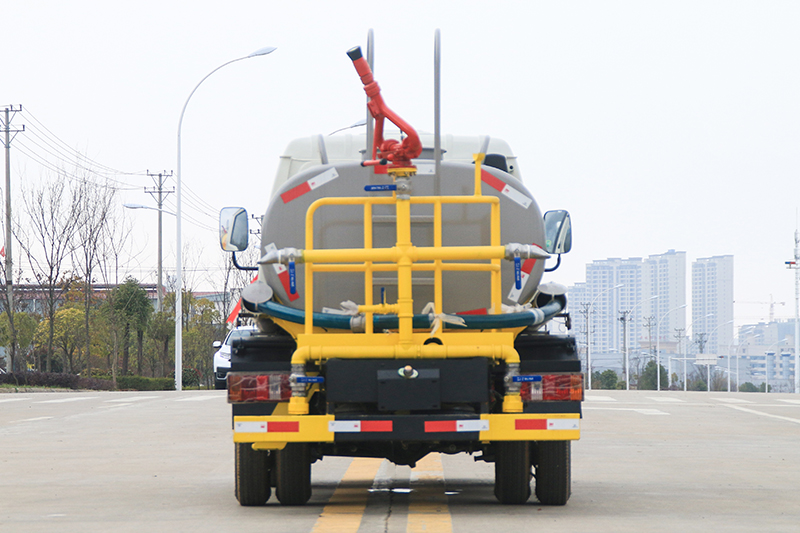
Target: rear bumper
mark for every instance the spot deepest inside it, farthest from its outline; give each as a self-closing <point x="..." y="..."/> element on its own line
<point x="276" y="431"/>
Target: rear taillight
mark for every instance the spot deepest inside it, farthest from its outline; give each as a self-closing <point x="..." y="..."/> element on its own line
<point x="248" y="388"/>
<point x="552" y="388"/>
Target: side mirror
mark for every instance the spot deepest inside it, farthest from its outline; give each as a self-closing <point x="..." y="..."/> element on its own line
<point x="233" y="230"/>
<point x="216" y="344"/>
<point x="557" y="232"/>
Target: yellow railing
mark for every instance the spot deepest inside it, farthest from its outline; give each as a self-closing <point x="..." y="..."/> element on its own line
<point x="404" y="258"/>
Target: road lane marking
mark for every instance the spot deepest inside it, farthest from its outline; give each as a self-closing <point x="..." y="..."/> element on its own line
<point x="132" y="399"/>
<point x="200" y="398"/>
<point x="731" y="400"/>
<point x="665" y="399"/>
<point x="115" y="405"/>
<point x="795" y="402"/>
<point x="6" y="400"/>
<point x="67" y="400"/>
<point x="345" y="509"/>
<point x="428" y="511"/>
<point x="32" y="419"/>
<point x="634" y="409"/>
<point x="779" y="417"/>
<point x="594" y="398"/>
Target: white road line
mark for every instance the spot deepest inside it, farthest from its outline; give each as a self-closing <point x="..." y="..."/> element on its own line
<point x="132" y="399"/>
<point x="32" y="419"/>
<point x="779" y="417"/>
<point x="115" y="405"/>
<point x="634" y="409"/>
<point x="6" y="400"/>
<point x="795" y="402"/>
<point x="200" y="398"/>
<point x="665" y="399"/>
<point x="731" y="400"/>
<point x="594" y="398"/>
<point x="66" y="400"/>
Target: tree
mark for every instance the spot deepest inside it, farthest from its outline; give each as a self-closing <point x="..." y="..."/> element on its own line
<point x="648" y="378"/>
<point x="52" y="213"/>
<point x="131" y="305"/>
<point x="605" y="380"/>
<point x="96" y="201"/>
<point x="162" y="329"/>
<point x="67" y="329"/>
<point x="25" y="328"/>
<point x="747" y="387"/>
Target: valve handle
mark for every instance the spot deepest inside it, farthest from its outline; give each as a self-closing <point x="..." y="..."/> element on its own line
<point x="292" y="278"/>
<point x="517" y="272"/>
<point x="375" y="188"/>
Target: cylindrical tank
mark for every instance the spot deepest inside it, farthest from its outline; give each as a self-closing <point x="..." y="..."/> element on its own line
<point x="342" y="227"/>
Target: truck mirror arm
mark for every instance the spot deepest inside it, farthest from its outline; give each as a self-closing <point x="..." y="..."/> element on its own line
<point x="240" y="267"/>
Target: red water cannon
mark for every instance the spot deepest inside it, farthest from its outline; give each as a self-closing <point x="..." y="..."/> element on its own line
<point x="398" y="153"/>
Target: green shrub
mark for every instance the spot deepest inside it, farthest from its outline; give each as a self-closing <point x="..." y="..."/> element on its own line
<point x="144" y="384"/>
<point x="54" y="380"/>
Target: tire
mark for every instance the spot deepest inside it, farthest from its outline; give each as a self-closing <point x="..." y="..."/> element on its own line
<point x="293" y="474"/>
<point x="512" y="472"/>
<point x="252" y="475"/>
<point x="553" y="472"/>
<point x="220" y="384"/>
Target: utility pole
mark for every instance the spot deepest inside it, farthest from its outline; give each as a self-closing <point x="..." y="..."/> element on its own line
<point x="11" y="357"/>
<point x="795" y="265"/>
<point x="158" y="194"/>
<point x="679" y="337"/>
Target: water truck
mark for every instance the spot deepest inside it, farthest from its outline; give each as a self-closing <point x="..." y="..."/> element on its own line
<point x="401" y="311"/>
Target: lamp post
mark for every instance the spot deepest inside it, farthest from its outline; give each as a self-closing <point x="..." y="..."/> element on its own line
<point x="589" y="332"/>
<point x="626" y="314"/>
<point x="658" y="345"/>
<point x="160" y="283"/>
<point x="178" y="267"/>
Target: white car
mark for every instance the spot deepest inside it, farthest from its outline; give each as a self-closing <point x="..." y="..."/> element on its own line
<point x="222" y="359"/>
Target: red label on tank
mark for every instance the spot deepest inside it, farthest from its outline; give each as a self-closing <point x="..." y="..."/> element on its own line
<point x="295" y="192"/>
<point x="284" y="277"/>
<point x="491" y="181"/>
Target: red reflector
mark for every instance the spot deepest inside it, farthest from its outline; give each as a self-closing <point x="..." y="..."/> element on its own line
<point x="283" y="427"/>
<point x="439" y="426"/>
<point x="530" y="424"/>
<point x="376" y="425"/>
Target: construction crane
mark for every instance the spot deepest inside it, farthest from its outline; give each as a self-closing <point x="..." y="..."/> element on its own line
<point x="771" y="303"/>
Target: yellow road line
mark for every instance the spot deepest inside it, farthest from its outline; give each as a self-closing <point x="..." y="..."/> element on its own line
<point x="345" y="509"/>
<point x="427" y="508"/>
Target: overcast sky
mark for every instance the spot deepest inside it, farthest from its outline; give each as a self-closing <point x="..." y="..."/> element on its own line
<point x="658" y="125"/>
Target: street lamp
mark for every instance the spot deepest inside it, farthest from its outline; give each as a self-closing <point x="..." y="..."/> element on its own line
<point x="658" y="345"/>
<point x="178" y="267"/>
<point x="708" y="367"/>
<point x="589" y="332"/>
<point x="626" y="314"/>
<point x="685" y="351"/>
<point x="160" y="263"/>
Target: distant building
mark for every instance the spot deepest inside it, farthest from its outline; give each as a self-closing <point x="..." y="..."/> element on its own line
<point x="712" y="302"/>
<point x="597" y="300"/>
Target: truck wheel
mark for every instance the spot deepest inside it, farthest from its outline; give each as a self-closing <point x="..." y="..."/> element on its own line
<point x="512" y="472"/>
<point x="293" y="474"/>
<point x="553" y="472"/>
<point x="252" y="475"/>
<point x="220" y="384"/>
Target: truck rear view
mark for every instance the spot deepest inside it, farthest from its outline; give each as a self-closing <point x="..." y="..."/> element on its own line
<point x="401" y="312"/>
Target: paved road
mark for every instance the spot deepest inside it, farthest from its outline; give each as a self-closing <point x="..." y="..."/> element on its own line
<point x="668" y="461"/>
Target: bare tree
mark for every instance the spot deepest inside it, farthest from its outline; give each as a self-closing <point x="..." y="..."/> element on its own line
<point x="96" y="202"/>
<point x="115" y="236"/>
<point x="53" y="214"/>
